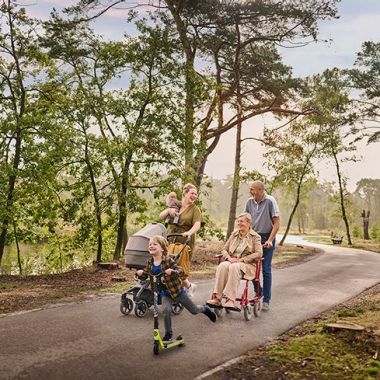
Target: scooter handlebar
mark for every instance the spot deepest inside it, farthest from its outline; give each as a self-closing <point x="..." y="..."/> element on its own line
<point x="159" y="274"/>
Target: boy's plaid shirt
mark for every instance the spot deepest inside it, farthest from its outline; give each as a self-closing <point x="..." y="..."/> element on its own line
<point x="172" y="282"/>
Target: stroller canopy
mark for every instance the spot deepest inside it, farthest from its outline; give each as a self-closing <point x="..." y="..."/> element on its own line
<point x="136" y="252"/>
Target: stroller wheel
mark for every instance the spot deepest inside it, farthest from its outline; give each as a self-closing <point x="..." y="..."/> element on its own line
<point x="177" y="308"/>
<point x="141" y="309"/>
<point x="126" y="306"/>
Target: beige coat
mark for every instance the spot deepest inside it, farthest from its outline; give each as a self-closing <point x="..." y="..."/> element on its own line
<point x="252" y="252"/>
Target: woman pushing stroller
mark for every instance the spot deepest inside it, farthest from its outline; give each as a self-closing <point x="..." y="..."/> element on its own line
<point x="188" y="218"/>
<point x="171" y="288"/>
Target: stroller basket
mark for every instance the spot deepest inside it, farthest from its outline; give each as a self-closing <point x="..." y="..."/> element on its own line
<point x="136" y="252"/>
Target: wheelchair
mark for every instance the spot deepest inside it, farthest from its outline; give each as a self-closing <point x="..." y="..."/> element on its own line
<point x="248" y="305"/>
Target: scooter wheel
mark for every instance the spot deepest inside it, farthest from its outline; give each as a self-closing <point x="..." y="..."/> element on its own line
<point x="156" y="348"/>
<point x="141" y="308"/>
<point x="126" y="306"/>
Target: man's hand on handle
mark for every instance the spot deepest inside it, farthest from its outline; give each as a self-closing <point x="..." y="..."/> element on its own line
<point x="268" y="244"/>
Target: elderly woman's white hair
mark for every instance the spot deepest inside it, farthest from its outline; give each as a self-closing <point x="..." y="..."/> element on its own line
<point x="246" y="215"/>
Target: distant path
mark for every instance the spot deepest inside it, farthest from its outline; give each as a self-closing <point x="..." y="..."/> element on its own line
<point x="295" y="239"/>
<point x="92" y="340"/>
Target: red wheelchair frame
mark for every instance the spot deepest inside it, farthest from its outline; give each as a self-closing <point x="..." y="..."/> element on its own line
<point x="248" y="305"/>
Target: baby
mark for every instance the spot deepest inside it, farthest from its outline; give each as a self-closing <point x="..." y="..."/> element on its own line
<point x="174" y="203"/>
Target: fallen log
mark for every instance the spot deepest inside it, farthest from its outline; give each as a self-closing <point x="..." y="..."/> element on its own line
<point x="109" y="266"/>
<point x="119" y="278"/>
<point x="343" y="325"/>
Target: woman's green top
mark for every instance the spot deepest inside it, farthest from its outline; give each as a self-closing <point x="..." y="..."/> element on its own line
<point x="187" y="219"/>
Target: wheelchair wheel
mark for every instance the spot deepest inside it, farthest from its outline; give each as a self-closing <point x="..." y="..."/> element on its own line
<point x="218" y="312"/>
<point x="141" y="308"/>
<point x="247" y="312"/>
<point x="126" y="306"/>
<point x="177" y="308"/>
<point x="257" y="308"/>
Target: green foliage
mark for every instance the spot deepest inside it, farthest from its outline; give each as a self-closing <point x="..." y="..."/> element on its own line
<point x="365" y="77"/>
<point x="90" y="127"/>
<point x="357" y="232"/>
<point x="374" y="232"/>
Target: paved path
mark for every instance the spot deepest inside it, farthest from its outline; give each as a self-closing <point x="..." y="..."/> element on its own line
<point x="92" y="340"/>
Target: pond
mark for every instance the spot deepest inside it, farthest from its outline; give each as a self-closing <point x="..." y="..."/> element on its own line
<point x="42" y="258"/>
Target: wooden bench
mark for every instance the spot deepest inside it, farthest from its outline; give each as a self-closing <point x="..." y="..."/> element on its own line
<point x="337" y="239"/>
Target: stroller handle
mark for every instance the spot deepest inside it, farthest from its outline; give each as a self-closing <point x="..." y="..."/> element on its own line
<point x="187" y="241"/>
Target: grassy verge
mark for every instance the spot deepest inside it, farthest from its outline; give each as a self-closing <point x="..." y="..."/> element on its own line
<point x="368" y="245"/>
<point x="310" y="351"/>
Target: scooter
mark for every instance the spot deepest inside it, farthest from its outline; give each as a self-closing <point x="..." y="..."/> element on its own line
<point x="158" y="343"/>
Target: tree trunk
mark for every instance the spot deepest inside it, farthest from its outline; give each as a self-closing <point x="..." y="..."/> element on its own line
<point x="18" y="248"/>
<point x="341" y="195"/>
<point x="292" y="213"/>
<point x="18" y="114"/>
<point x="121" y="225"/>
<point x="98" y="212"/>
<point x="365" y="217"/>
<point x="189" y="174"/>
<point x="237" y="166"/>
<point x="235" y="182"/>
<point x="122" y="211"/>
<point x="299" y="222"/>
<point x="10" y="194"/>
<point x="299" y="185"/>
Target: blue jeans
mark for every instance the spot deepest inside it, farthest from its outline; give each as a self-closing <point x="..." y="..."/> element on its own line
<point x="267" y="268"/>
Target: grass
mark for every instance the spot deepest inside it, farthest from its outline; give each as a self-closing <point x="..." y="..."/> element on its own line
<point x="309" y="351"/>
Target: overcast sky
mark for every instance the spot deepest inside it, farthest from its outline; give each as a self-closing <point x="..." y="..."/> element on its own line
<point x="359" y="21"/>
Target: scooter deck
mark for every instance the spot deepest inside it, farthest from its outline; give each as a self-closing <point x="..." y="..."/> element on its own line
<point x="179" y="341"/>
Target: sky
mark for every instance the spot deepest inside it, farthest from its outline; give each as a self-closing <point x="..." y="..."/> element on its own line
<point x="358" y="22"/>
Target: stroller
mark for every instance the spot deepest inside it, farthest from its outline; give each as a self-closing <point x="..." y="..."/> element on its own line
<point x="140" y="297"/>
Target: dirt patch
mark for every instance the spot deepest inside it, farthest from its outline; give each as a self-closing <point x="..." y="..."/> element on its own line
<point x="19" y="293"/>
<point x="309" y="351"/>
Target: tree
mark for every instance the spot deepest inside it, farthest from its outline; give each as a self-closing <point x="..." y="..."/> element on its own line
<point x="291" y="159"/>
<point x="29" y="144"/>
<point x="368" y="191"/>
<point x="196" y="23"/>
<point x="366" y="78"/>
<point x="331" y="103"/>
<point x="129" y="122"/>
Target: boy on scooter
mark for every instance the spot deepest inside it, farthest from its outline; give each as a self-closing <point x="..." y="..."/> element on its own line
<point x="170" y="288"/>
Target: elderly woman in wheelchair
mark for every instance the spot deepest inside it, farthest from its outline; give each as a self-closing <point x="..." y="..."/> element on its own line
<point x="238" y="256"/>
